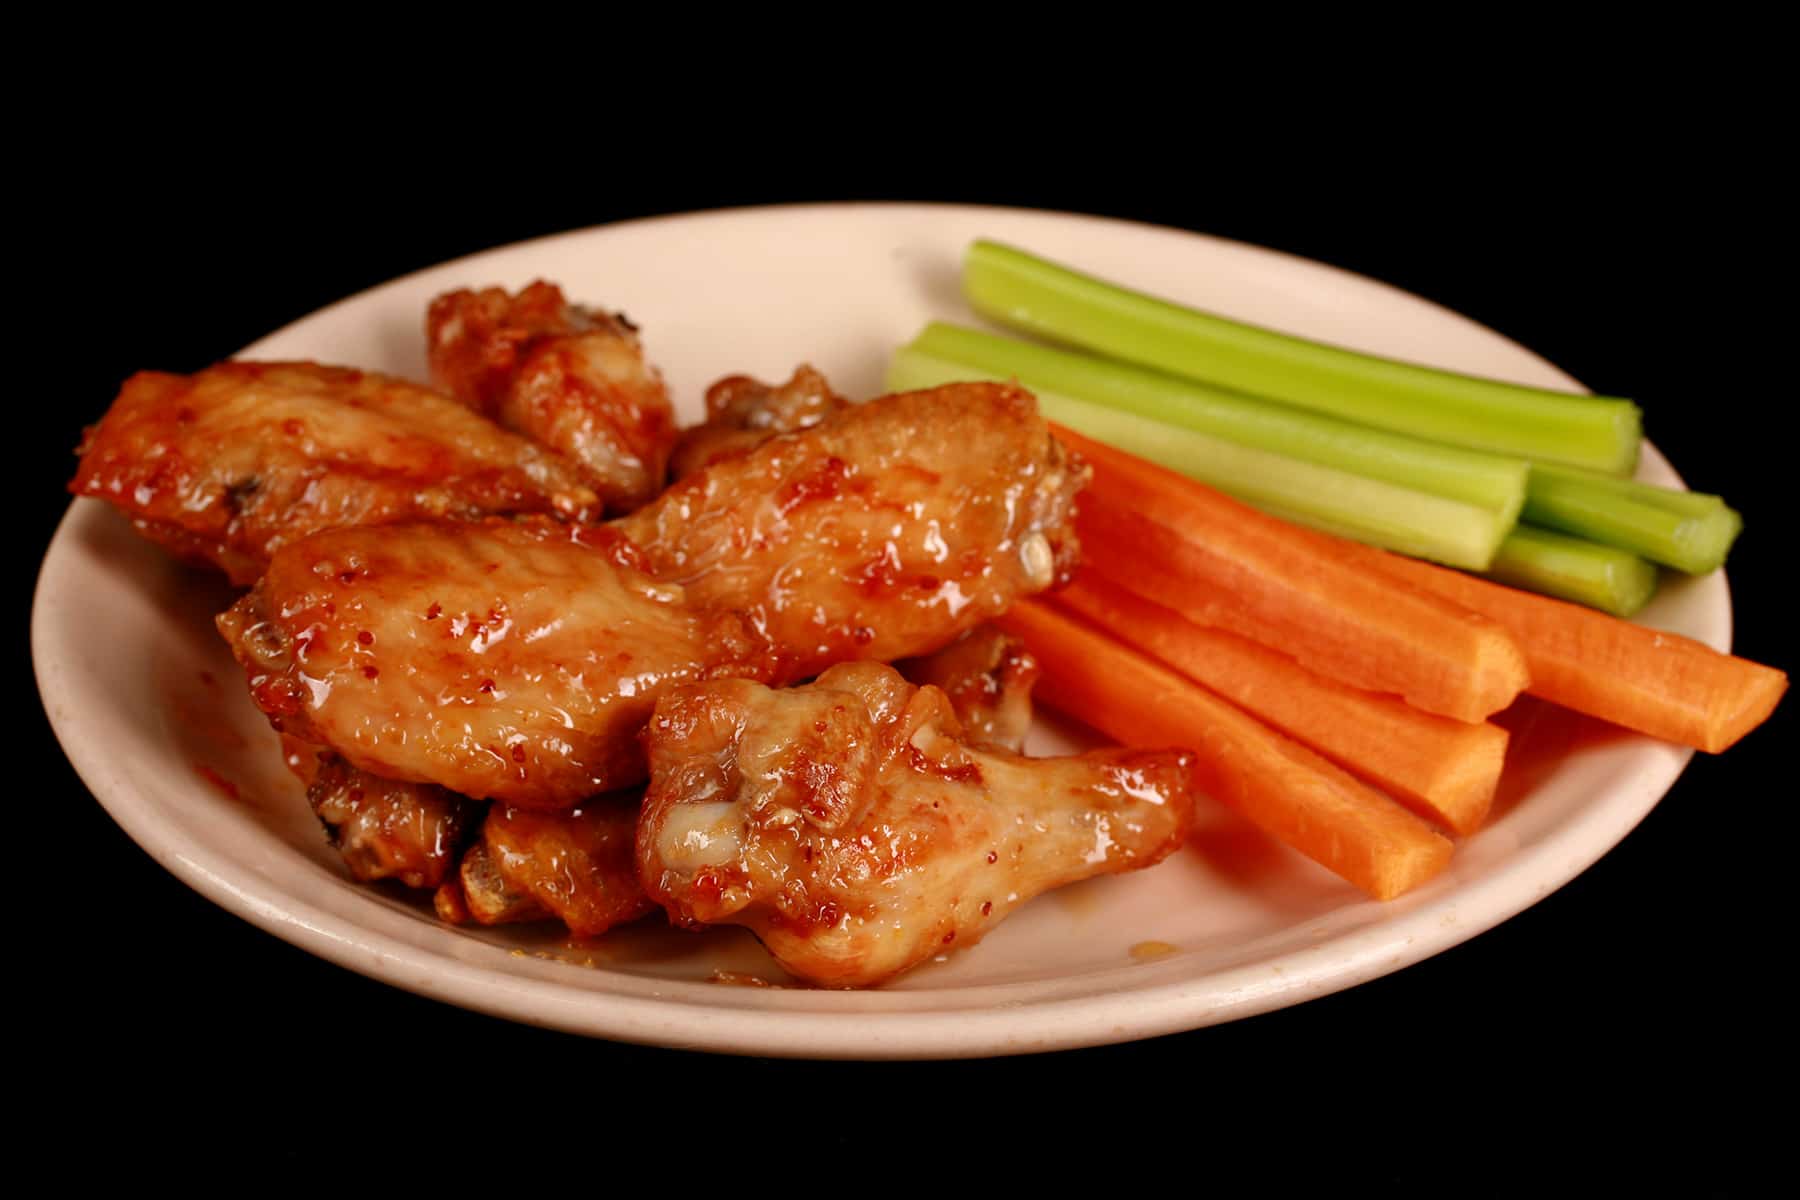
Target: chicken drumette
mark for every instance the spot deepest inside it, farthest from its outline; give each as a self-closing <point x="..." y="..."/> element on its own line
<point x="851" y="827"/>
<point x="226" y="466"/>
<point x="570" y="377"/>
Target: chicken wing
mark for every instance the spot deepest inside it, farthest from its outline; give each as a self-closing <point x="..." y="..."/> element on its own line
<point x="578" y="867"/>
<point x="518" y="662"/>
<point x="227" y="466"/>
<point x="880" y="534"/>
<point x="849" y="826"/>
<point x="384" y="829"/>
<point x="743" y="413"/>
<point x="988" y="675"/>
<point x="572" y="378"/>
<point x="505" y="661"/>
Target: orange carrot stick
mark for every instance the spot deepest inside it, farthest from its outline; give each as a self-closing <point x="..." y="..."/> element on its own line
<point x="1668" y="686"/>
<point x="1284" y="788"/>
<point x="1444" y="770"/>
<point x="1223" y="564"/>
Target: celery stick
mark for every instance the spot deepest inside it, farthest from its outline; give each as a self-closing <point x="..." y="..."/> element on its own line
<point x="1689" y="531"/>
<point x="1029" y="293"/>
<point x="1490" y="480"/>
<point x="1603" y="577"/>
<point x="1325" y="498"/>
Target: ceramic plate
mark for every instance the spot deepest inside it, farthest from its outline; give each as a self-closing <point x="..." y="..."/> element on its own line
<point x="155" y="718"/>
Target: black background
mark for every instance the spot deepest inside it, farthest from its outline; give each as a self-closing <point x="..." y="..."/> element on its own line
<point x="1627" y="242"/>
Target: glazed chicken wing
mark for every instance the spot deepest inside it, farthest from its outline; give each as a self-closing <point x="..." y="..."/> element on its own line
<point x="574" y="379"/>
<point x="743" y="413"/>
<point x="384" y="829"/>
<point x="578" y="867"/>
<point x="987" y="674"/>
<point x="227" y="466"/>
<point x="849" y="825"/>
<point x="506" y="661"/>
<point x="882" y="533"/>
<point x="518" y="663"/>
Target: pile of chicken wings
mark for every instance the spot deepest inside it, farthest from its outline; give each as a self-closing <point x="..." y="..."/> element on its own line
<point x="535" y="648"/>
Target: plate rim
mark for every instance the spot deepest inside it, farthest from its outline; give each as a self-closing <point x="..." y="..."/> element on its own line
<point x="807" y="1032"/>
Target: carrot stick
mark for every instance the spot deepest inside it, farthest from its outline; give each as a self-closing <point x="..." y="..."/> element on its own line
<point x="1285" y="789"/>
<point x="1668" y="686"/>
<point x="1225" y="565"/>
<point x="1444" y="770"/>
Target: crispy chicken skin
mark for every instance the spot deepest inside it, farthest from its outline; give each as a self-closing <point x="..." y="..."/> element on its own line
<point x="987" y="674"/>
<point x="849" y="825"/>
<point x="518" y="662"/>
<point x="578" y="867"/>
<point x="883" y="533"/>
<point x="572" y="378"/>
<point x="506" y="661"/>
<point x="226" y="466"/>
<point x="743" y="413"/>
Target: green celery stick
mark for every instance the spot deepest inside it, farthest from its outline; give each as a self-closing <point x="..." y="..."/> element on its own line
<point x="1490" y="480"/>
<point x="1029" y="293"/>
<point x="1690" y="531"/>
<point x="1603" y="577"/>
<point x="1325" y="498"/>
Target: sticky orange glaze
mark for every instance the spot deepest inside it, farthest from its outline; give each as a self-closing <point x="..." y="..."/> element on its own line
<point x="212" y="776"/>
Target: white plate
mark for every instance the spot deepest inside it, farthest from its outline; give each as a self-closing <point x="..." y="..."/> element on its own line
<point x="154" y="717"/>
